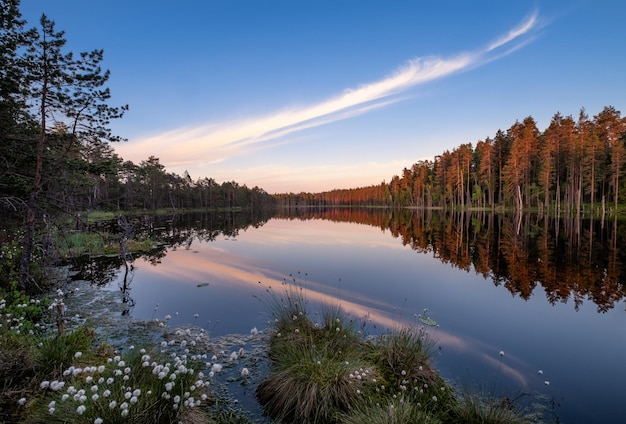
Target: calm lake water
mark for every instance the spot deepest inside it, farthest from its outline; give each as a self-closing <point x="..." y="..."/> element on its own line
<point x="573" y="330"/>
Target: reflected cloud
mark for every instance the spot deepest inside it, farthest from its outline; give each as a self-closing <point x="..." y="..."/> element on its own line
<point x="318" y="232"/>
<point x="506" y="369"/>
<point x="219" y="268"/>
<point x="216" y="142"/>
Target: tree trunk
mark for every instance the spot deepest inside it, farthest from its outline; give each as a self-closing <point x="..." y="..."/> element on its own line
<point x="29" y="233"/>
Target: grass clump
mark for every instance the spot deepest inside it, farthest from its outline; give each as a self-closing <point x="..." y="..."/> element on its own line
<point x="54" y="354"/>
<point x="396" y="412"/>
<point x="474" y="408"/>
<point x="313" y="364"/>
<point x="325" y="371"/>
<point x="79" y="243"/>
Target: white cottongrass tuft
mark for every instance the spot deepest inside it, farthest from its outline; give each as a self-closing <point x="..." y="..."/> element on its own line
<point x="57" y="385"/>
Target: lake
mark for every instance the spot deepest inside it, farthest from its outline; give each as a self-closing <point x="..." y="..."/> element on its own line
<point x="547" y="293"/>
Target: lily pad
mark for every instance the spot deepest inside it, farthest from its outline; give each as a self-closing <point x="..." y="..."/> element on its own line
<point x="428" y="321"/>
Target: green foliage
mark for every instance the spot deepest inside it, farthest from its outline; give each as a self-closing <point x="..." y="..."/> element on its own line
<point x="10" y="253"/>
<point x="324" y="370"/>
<point x="403" y="355"/>
<point x="19" y="313"/>
<point x="54" y="354"/>
<point x="139" y="386"/>
<point x="473" y="408"/>
<point x="80" y="243"/>
<point x="400" y="411"/>
<point x="100" y="216"/>
<point x="20" y="330"/>
<point x="313" y="362"/>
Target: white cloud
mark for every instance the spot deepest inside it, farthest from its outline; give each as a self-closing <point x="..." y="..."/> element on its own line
<point x="216" y="142"/>
<point x="528" y="24"/>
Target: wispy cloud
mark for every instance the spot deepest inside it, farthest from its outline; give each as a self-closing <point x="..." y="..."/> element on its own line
<point x="214" y="143"/>
<point x="528" y="24"/>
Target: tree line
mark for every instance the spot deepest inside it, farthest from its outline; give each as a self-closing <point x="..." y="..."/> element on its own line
<point x="572" y="165"/>
<point x="55" y="140"/>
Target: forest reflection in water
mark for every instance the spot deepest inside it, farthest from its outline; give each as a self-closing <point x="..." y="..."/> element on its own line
<point x="546" y="291"/>
<point x="569" y="259"/>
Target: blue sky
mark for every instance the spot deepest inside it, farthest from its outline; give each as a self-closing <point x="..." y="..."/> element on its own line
<point x="303" y="95"/>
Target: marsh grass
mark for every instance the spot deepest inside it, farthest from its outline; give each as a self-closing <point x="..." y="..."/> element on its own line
<point x="139" y="386"/>
<point x="475" y="408"/>
<point x="77" y="243"/>
<point x="400" y="411"/>
<point x="323" y="370"/>
<point x="53" y="354"/>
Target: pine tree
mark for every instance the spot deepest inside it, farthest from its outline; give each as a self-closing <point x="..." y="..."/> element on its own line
<point x="66" y="92"/>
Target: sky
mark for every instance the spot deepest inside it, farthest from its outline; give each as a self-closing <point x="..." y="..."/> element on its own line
<point x="294" y="96"/>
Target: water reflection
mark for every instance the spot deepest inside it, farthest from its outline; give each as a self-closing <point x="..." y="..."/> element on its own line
<point x="223" y="267"/>
<point x="569" y="258"/>
<point x="170" y="231"/>
<point x="566" y="258"/>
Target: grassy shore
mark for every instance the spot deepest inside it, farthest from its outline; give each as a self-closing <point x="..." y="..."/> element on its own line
<point x="321" y="369"/>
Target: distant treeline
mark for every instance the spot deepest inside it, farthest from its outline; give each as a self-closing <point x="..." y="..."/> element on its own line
<point x="100" y="180"/>
<point x="573" y="164"/>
